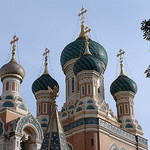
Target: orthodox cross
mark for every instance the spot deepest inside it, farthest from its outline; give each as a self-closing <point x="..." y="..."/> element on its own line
<point x="15" y="39"/>
<point x="45" y="54"/>
<point x="120" y="55"/>
<point x="83" y="11"/>
<point x="121" y="61"/>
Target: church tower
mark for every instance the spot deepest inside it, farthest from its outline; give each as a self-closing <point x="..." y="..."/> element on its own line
<point x="18" y="128"/>
<point x="123" y="89"/>
<point x="40" y="90"/>
<point x="84" y="62"/>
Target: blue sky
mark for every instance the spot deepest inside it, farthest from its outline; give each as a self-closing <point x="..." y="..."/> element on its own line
<point x="54" y="24"/>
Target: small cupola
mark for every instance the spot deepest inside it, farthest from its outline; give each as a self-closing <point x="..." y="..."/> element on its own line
<point x="45" y="79"/>
<point x="12" y="69"/>
<point x="122" y="83"/>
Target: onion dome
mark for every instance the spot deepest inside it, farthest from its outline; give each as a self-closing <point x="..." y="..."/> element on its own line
<point x="43" y="82"/>
<point x="12" y="69"/>
<point x="123" y="83"/>
<point x="76" y="48"/>
<point x="45" y="79"/>
<point x="87" y="62"/>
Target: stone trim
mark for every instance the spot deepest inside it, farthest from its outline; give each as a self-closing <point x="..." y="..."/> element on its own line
<point x="106" y="125"/>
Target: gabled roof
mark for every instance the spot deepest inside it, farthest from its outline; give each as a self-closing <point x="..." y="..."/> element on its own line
<point x="54" y="138"/>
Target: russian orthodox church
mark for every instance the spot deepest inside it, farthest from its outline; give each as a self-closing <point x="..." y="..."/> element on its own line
<point x="85" y="122"/>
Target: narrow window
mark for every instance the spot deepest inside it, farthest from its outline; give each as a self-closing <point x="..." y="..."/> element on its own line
<point x="99" y="90"/>
<point x="7" y="86"/>
<point x="39" y="108"/>
<point x="82" y="91"/>
<point x="73" y="85"/>
<point x="120" y="110"/>
<point x="126" y="109"/>
<point x="88" y="89"/>
<point x="44" y="108"/>
<point x="50" y="108"/>
<point x="92" y="142"/>
<point x="13" y="86"/>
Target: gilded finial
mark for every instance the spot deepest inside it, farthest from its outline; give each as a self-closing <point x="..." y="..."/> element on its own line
<point x="87" y="51"/>
<point x="45" y="54"/>
<point x="15" y="39"/>
<point x="121" y="61"/>
<point x="84" y="29"/>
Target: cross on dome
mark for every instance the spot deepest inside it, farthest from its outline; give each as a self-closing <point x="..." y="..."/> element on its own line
<point x="45" y="54"/>
<point x="84" y="30"/>
<point x="83" y="11"/>
<point x="13" y="42"/>
<point x="121" y="61"/>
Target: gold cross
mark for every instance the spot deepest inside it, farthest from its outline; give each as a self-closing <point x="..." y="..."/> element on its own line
<point x="15" y="39"/>
<point x="120" y="55"/>
<point x="83" y="11"/>
<point x="45" y="54"/>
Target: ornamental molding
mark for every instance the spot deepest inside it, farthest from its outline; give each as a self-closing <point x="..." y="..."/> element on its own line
<point x="29" y="120"/>
<point x="106" y="126"/>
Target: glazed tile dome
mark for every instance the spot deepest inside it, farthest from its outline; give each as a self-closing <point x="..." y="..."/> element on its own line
<point x="123" y="83"/>
<point x="77" y="48"/>
<point x="12" y="69"/>
<point x="87" y="62"/>
<point x="43" y="82"/>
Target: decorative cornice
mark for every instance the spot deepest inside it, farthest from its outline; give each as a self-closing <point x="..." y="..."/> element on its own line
<point x="107" y="126"/>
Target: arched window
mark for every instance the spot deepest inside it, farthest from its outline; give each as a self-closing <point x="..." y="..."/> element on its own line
<point x="23" y="107"/>
<point x="8" y="104"/>
<point x="90" y="107"/>
<point x="44" y="125"/>
<point x="44" y="119"/>
<point x="8" y="97"/>
<point x="128" y="120"/>
<point x="78" y="109"/>
<point x="129" y="126"/>
<point x="80" y="103"/>
<point x="64" y="115"/>
<point x="89" y="101"/>
<point x="20" y="99"/>
<point x="71" y="107"/>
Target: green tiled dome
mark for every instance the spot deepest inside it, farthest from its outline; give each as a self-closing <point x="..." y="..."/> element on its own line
<point x="123" y="83"/>
<point x="77" y="48"/>
<point x="43" y="82"/>
<point x="87" y="62"/>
